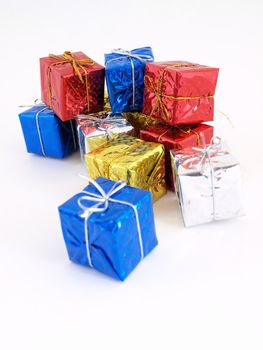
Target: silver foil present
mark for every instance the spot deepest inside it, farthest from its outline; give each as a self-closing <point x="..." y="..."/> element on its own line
<point x="96" y="129"/>
<point x="208" y="183"/>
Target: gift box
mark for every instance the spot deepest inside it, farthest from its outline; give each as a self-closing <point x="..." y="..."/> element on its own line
<point x="124" y="78"/>
<point x="72" y="84"/>
<point x="140" y="121"/>
<point x="176" y="138"/>
<point x="96" y="129"/>
<point x="109" y="226"/>
<point x="207" y="182"/>
<point x="45" y="134"/>
<point x="140" y="164"/>
<point x="179" y="92"/>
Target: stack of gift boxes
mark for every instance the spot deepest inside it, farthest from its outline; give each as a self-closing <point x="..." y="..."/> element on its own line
<point x="147" y="135"/>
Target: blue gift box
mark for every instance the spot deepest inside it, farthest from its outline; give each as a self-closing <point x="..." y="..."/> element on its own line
<point x="45" y="134"/>
<point x="109" y="227"/>
<point x="125" y="78"/>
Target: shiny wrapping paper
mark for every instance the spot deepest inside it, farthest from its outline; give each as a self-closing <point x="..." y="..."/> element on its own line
<point x="179" y="92"/>
<point x="113" y="236"/>
<point x="138" y="163"/>
<point x="176" y="138"/>
<point x="120" y="81"/>
<point x="96" y="129"/>
<point x="69" y="95"/>
<point x="208" y="187"/>
<point x="140" y="121"/>
<point x="59" y="138"/>
<point x="107" y="107"/>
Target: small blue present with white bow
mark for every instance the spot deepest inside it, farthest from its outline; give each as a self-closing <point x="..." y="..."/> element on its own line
<point x="109" y="226"/>
<point x="125" y="78"/>
<point x="45" y="134"/>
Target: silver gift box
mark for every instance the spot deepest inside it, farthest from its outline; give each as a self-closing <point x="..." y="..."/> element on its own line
<point x="96" y="129"/>
<point x="208" y="183"/>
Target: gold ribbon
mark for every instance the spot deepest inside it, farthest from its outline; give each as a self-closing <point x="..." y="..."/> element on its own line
<point x="157" y="90"/>
<point x="78" y="65"/>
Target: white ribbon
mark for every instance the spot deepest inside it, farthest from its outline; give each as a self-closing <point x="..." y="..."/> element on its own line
<point x="39" y="103"/>
<point x="128" y="54"/>
<point x="103" y="199"/>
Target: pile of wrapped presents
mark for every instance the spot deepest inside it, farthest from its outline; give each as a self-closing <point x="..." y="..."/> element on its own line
<point x="149" y="132"/>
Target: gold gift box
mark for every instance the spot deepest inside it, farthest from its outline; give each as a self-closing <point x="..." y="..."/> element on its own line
<point x="140" y="121"/>
<point x="138" y="163"/>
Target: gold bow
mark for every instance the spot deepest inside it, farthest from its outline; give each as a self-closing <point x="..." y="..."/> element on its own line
<point x="156" y="88"/>
<point x="78" y="65"/>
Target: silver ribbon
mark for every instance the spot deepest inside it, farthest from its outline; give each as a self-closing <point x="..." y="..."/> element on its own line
<point x="103" y="199"/>
<point x="100" y="124"/>
<point x="39" y="103"/>
<point x="128" y="54"/>
<point x="203" y="156"/>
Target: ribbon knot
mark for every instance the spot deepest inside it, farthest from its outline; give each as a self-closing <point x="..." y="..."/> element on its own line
<point x="106" y="125"/>
<point x="102" y="200"/>
<point x="79" y="66"/>
<point x="125" y="53"/>
<point x="203" y="154"/>
<point x="128" y="54"/>
<point x="157" y="90"/>
<point x="202" y="158"/>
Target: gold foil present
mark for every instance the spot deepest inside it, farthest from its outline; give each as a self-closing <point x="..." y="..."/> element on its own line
<point x="138" y="163"/>
<point x="140" y="121"/>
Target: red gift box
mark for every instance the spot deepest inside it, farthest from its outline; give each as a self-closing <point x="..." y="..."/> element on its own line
<point x="177" y="138"/>
<point x="179" y="92"/>
<point x="72" y="84"/>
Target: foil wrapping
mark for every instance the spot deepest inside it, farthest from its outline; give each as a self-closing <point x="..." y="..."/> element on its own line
<point x="140" y="164"/>
<point x="113" y="236"/>
<point x="176" y="138"/>
<point x="179" y="92"/>
<point x="208" y="184"/>
<point x="69" y="95"/>
<point x="124" y="78"/>
<point x="140" y="121"/>
<point x="49" y="137"/>
<point x="96" y="129"/>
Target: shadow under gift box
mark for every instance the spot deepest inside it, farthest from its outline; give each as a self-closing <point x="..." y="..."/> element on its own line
<point x="46" y="135"/>
<point x="208" y="184"/>
<point x="176" y="138"/>
<point x="65" y="92"/>
<point x="179" y="92"/>
<point x="114" y="241"/>
<point x="124" y="78"/>
<point x="96" y="129"/>
<point x="140" y="164"/>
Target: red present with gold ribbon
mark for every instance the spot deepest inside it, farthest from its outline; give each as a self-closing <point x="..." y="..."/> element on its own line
<point x="176" y="138"/>
<point x="179" y="92"/>
<point x="72" y="84"/>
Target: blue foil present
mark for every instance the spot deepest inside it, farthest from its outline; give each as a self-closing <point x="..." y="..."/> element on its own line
<point x="45" y="134"/>
<point x="109" y="226"/>
<point x="124" y="78"/>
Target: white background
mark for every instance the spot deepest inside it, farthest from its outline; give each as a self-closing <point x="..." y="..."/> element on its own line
<point x="202" y="287"/>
